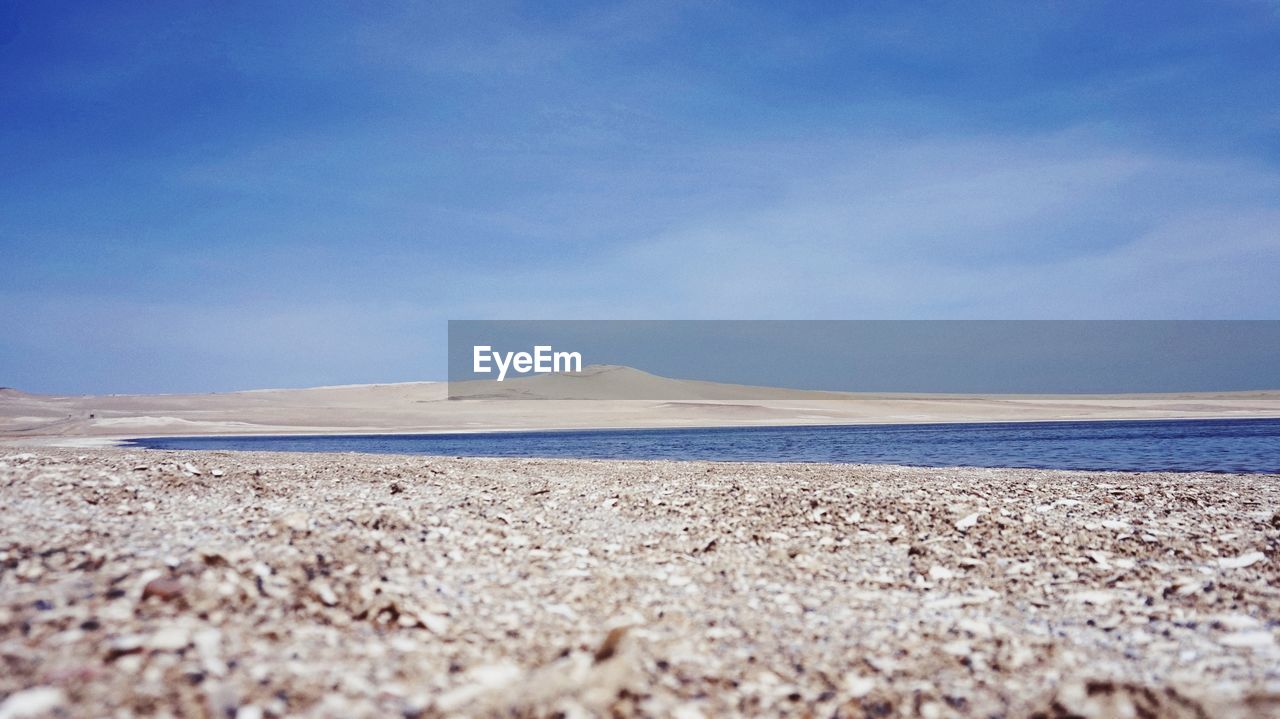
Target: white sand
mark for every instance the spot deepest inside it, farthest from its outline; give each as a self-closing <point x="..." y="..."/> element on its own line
<point x="424" y="407"/>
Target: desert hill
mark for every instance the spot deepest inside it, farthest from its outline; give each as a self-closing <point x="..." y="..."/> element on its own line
<point x="599" y="396"/>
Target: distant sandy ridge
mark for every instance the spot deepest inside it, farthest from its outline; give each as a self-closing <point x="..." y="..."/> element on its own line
<point x="425" y="407"/>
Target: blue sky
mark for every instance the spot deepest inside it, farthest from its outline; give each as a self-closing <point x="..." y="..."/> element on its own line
<point x="235" y="195"/>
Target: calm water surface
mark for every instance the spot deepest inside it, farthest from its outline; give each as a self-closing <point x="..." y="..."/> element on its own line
<point x="1235" y="445"/>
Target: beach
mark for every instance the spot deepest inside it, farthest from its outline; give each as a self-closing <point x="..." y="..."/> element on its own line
<point x="600" y="397"/>
<point x="667" y="360"/>
<point x="258" y="584"/>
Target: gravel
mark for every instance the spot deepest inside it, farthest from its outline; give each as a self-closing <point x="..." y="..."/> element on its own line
<point x="259" y="585"/>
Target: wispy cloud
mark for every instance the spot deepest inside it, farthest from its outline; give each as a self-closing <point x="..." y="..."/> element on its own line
<point x="1063" y="226"/>
<point x="237" y="196"/>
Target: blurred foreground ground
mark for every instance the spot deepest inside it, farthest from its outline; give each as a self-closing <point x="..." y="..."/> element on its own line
<point x="249" y="585"/>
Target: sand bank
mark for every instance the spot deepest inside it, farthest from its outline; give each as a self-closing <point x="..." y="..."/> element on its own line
<point x="242" y="584"/>
<point x="425" y="407"/>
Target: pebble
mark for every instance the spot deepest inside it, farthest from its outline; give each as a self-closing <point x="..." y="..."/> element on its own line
<point x="939" y="573"/>
<point x="497" y="587"/>
<point x="1248" y="639"/>
<point x="169" y="639"/>
<point x="1242" y="561"/>
<point x="857" y="686"/>
<point x="164" y="589"/>
<point x="32" y="702"/>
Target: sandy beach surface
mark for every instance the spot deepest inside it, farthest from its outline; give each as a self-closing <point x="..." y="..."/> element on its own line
<point x="425" y="407"/>
<point x="248" y="585"/>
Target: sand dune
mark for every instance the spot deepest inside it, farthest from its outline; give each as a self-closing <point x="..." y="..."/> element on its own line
<point x="426" y="407"/>
<point x="613" y="382"/>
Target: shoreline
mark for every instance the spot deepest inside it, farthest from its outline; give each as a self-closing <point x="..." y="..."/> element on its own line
<point x="92" y="441"/>
<point x="247" y="443"/>
<point x="285" y="583"/>
<point x="419" y="408"/>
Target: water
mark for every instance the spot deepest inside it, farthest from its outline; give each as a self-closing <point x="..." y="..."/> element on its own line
<point x="1235" y="445"/>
